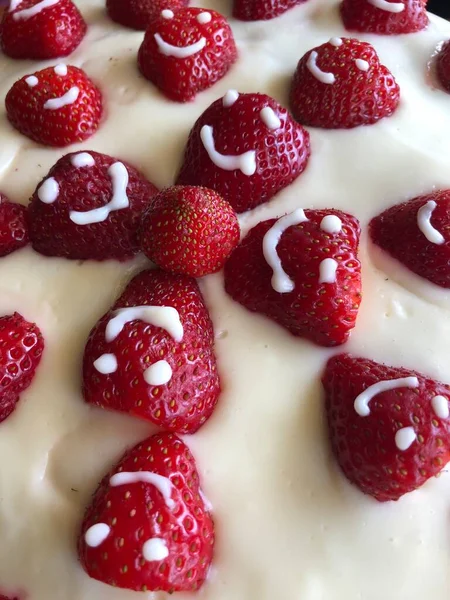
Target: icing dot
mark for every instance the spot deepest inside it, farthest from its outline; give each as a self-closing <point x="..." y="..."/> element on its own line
<point x="82" y="159"/>
<point x="32" y="80"/>
<point x="204" y="17"/>
<point x="48" y="191"/>
<point x="328" y="268"/>
<point x="336" y="41"/>
<point x="61" y="69"/>
<point x="167" y="14"/>
<point x="155" y="549"/>
<point x="230" y="98"/>
<point x="331" y="224"/>
<point x="362" y="65"/>
<point x="96" y="535"/>
<point x="404" y="438"/>
<point x="440" y="407"/>
<point x="159" y="373"/>
<point x="106" y="364"/>
<point x="269" y="118"/>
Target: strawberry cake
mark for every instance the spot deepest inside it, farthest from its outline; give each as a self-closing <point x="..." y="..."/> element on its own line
<point x="224" y="300"/>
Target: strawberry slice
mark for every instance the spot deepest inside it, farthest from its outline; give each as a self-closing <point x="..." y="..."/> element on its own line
<point x="416" y="234"/>
<point x="189" y="230"/>
<point x="389" y="427"/>
<point x="21" y="345"/>
<point x="137" y="14"/>
<point x="386" y="17"/>
<point x="443" y="66"/>
<point x="148" y="527"/>
<point x="187" y="51"/>
<point x="57" y="106"/>
<point x="341" y="84"/>
<point x="89" y="207"/>
<point x="302" y="272"/>
<point x="40" y="29"/>
<point x="13" y="226"/>
<point x="247" y="148"/>
<point x="152" y="354"/>
<point x="261" y="10"/>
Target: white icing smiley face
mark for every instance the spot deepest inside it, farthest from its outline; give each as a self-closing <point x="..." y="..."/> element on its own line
<point x="327" y="77"/>
<point x="168" y="49"/>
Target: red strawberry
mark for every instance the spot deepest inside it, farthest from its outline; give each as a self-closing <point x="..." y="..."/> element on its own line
<point x="341" y="84"/>
<point x="41" y="29"/>
<point x="57" y="106"/>
<point x="393" y="438"/>
<point x="312" y="286"/>
<point x="2" y="596"/>
<point x="61" y="214"/>
<point x="261" y="10"/>
<point x="137" y="14"/>
<point x="247" y="148"/>
<point x="13" y="226"/>
<point x="388" y="17"/>
<point x="189" y="230"/>
<point x="21" y="347"/>
<point x="443" y="66"/>
<point x="160" y="364"/>
<point x="187" y="51"/>
<point x="148" y="527"/>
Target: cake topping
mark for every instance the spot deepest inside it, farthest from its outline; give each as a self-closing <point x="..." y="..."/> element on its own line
<point x="158" y="374"/>
<point x="97" y="534"/>
<point x="137" y="14"/>
<point x="362" y="401"/>
<point x="258" y="10"/>
<point x="162" y="484"/>
<point x="331" y="224"/>
<point x="13" y="226"/>
<point x="48" y="191"/>
<point x="27" y="13"/>
<point x="166" y="317"/>
<point x="424" y="223"/>
<point x="335" y="41"/>
<point x="385" y="17"/>
<point x="245" y="162"/>
<point x="313" y="68"/>
<point x="362" y="65"/>
<point x="65" y="100"/>
<point x="393" y="7"/>
<point x="167" y="14"/>
<point x="179" y="51"/>
<point x="204" y="17"/>
<point x="440" y="407"/>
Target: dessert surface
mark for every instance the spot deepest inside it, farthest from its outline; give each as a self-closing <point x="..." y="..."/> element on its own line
<point x="288" y="523"/>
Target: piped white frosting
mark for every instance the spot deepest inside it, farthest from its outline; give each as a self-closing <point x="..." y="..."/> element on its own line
<point x="404" y="438"/>
<point x="393" y="7"/>
<point x="82" y="159"/>
<point x="204" y="17"/>
<point x="362" y="401"/>
<point x="167" y="13"/>
<point x="179" y="51"/>
<point x="331" y="224"/>
<point x="28" y="13"/>
<point x="65" y="100"/>
<point x="162" y="484"/>
<point x="165" y="317"/>
<point x="155" y="549"/>
<point x="159" y="373"/>
<point x="230" y="98"/>
<point x="48" y="191"/>
<point x="424" y="223"/>
<point x="269" y="118"/>
<point x="61" y="69"/>
<point x="327" y="270"/>
<point x="246" y="162"/>
<point x="440" y="406"/>
<point x="97" y="534"/>
<point x="313" y="67"/>
<point x="32" y="81"/>
<point x="106" y="364"/>
<point x="362" y="64"/>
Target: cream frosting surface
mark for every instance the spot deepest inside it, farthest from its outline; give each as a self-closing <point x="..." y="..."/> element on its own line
<point x="288" y="524"/>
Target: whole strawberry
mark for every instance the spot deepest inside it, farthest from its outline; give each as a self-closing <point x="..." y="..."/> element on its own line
<point x="248" y="163"/>
<point x="302" y="272"/>
<point x="137" y="14"/>
<point x="261" y="10"/>
<point x="386" y="17"/>
<point x="13" y="226"/>
<point x="389" y="427"/>
<point x="443" y="66"/>
<point x="148" y="528"/>
<point x="89" y="206"/>
<point x="187" y="51"/>
<point x="189" y="230"/>
<point x="152" y="354"/>
<point x="21" y="347"/>
<point x="341" y="84"/>
<point x="57" y="106"/>
<point x="39" y="30"/>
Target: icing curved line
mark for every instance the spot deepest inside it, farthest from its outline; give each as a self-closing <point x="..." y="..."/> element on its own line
<point x="162" y="484"/>
<point x="27" y="13"/>
<point x="165" y="317"/>
<point x="392" y="7"/>
<point x="68" y="98"/>
<point x="361" y="404"/>
<point x="424" y="223"/>
<point x="176" y="51"/>
<point x="322" y="76"/>
<point x="245" y="162"/>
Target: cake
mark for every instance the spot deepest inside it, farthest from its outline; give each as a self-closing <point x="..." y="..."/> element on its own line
<point x="288" y="523"/>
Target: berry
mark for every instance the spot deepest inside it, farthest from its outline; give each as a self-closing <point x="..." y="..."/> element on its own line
<point x="261" y="10"/>
<point x="138" y="14"/>
<point x="385" y="17"/>
<point x="443" y="66"/>
<point x="13" y="226"/>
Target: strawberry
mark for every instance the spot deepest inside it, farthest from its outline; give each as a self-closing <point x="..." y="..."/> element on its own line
<point x="137" y="14"/>
<point x="386" y="17"/>
<point x="443" y="66"/>
<point x="189" y="230"/>
<point x="89" y="207"/>
<point x="21" y="347"/>
<point x="261" y="10"/>
<point x="37" y="29"/>
<point x="57" y="106"/>
<point x="247" y="148"/>
<point x="148" y="527"/>
<point x="391" y="439"/>
<point x="341" y="84"/>
<point x="187" y="51"/>
<point x="13" y="226"/>
<point x="156" y="364"/>
<point x="302" y="272"/>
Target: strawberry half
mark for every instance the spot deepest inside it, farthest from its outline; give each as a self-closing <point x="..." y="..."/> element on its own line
<point x="261" y="10"/>
<point x="190" y="230"/>
<point x="137" y="14"/>
<point x="341" y="84"/>
<point x="13" y="226"/>
<point x="417" y="233"/>
<point x="152" y="354"/>
<point x="247" y="148"/>
<point x="187" y="51"/>
<point x="443" y="66"/>
<point x="57" y="106"/>
<point x="89" y="207"/>
<point x="386" y="17"/>
<point x="148" y="527"/>
<point x="21" y="347"/>
<point x="40" y="29"/>
<point x="302" y="272"/>
<point x="388" y="439"/>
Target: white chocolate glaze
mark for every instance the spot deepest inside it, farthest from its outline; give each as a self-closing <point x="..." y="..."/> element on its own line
<point x="331" y="224"/>
<point x="32" y="80"/>
<point x="82" y="159"/>
<point x="48" y="191"/>
<point x="230" y="98"/>
<point x="204" y="17"/>
<point x="61" y="69"/>
<point x="362" y="64"/>
<point x="269" y="118"/>
<point x="440" y="406"/>
<point x="106" y="364"/>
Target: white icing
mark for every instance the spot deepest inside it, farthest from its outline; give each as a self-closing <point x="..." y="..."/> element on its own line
<point x="281" y="282"/>
<point x="165" y="317"/>
<point x="245" y="162"/>
<point x="27" y="13"/>
<point x="177" y="51"/>
<point x="204" y="17"/>
<point x="48" y="191"/>
<point x="119" y="177"/>
<point x="61" y="69"/>
<point x="32" y="80"/>
<point x="106" y="364"/>
<point x="159" y="373"/>
<point x="331" y="224"/>
<point x="162" y="484"/>
<point x="68" y="98"/>
<point x="96" y="535"/>
<point x="404" y="438"/>
<point x="440" y="407"/>
<point x="327" y="271"/>
<point x="322" y="76"/>
<point x="393" y="7"/>
<point x="230" y="98"/>
<point x="362" y="64"/>
<point x="167" y="13"/>
<point x="424" y="223"/>
<point x="336" y="41"/>
<point x="155" y="549"/>
<point x="269" y="118"/>
<point x="362" y="401"/>
<point x="82" y="159"/>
